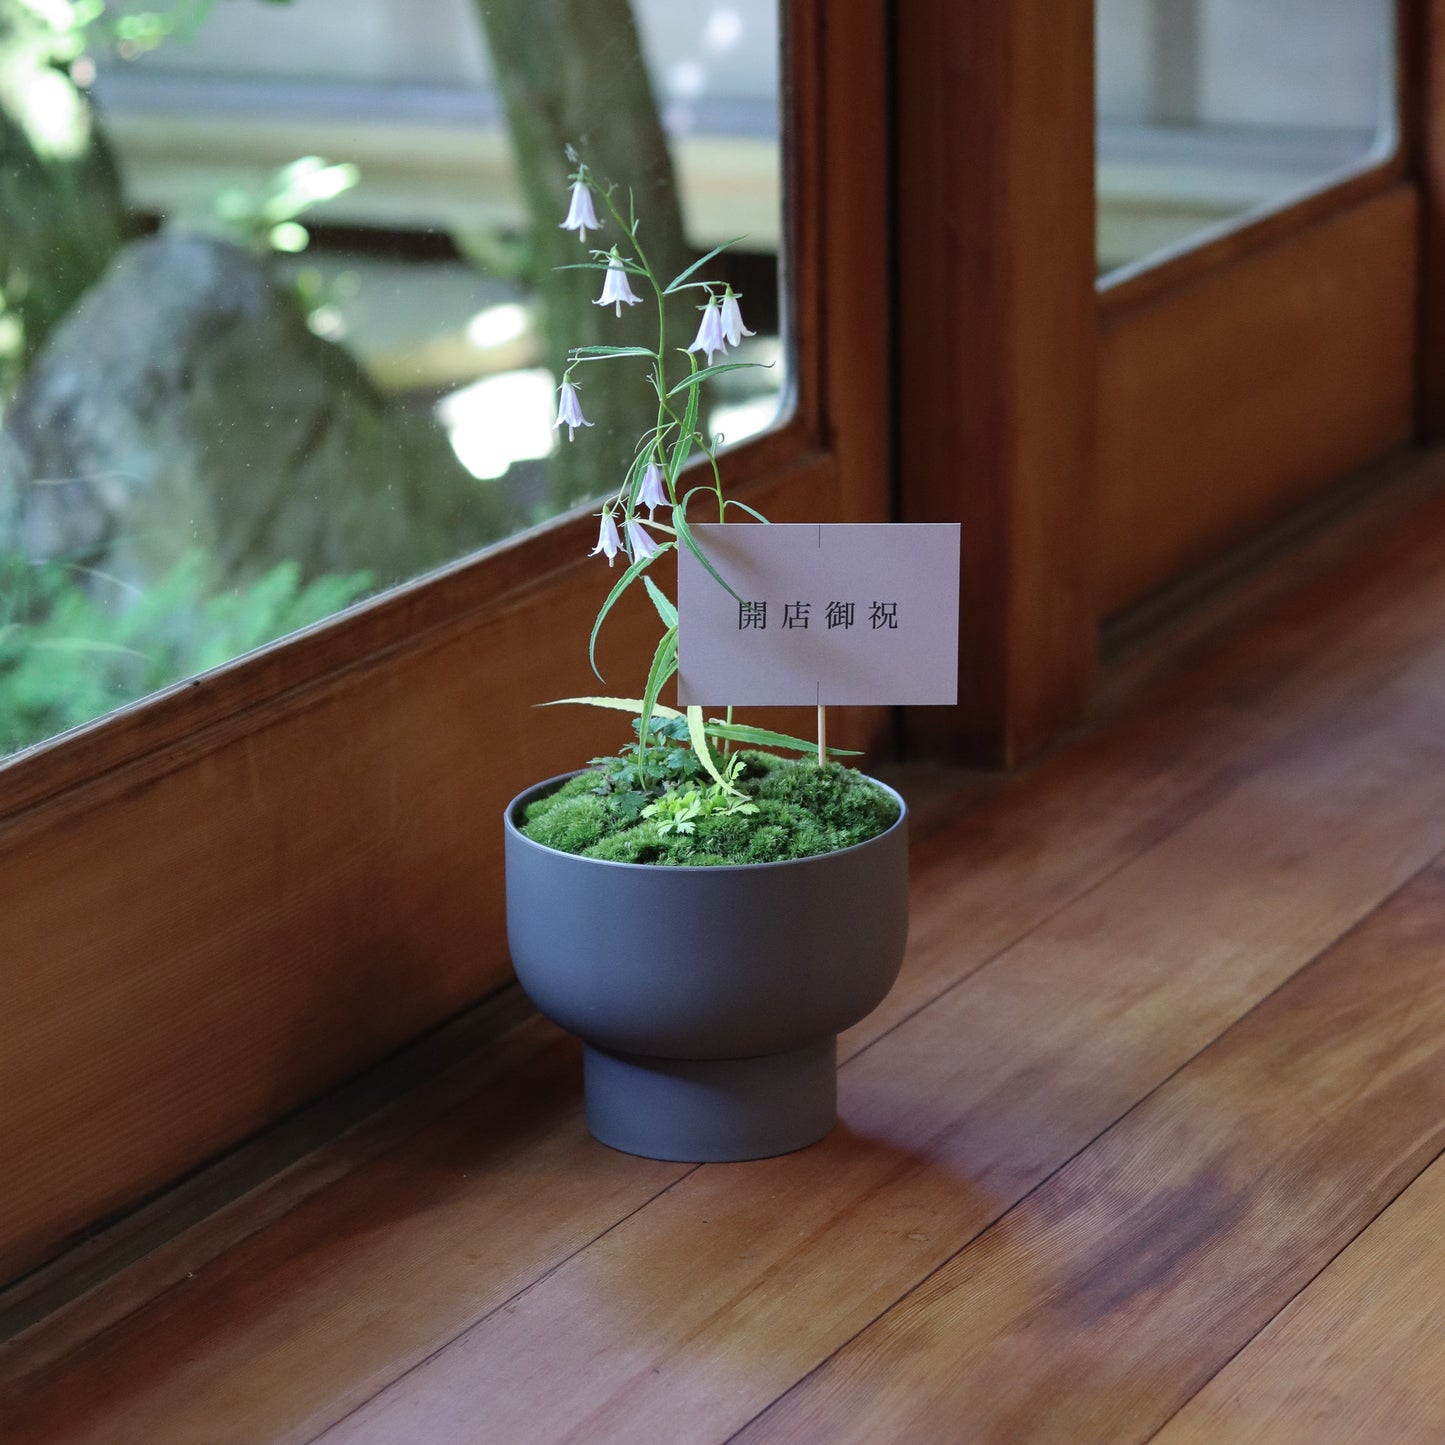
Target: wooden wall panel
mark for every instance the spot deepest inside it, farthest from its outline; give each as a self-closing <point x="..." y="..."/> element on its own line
<point x="226" y="899"/>
<point x="190" y="954"/>
<point x="1227" y="400"/>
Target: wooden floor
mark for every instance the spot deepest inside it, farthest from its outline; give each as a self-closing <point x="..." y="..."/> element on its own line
<point x="1145" y="1144"/>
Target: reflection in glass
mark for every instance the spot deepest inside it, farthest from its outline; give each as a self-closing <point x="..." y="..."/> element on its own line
<point x="1210" y="111"/>
<point x="244" y="386"/>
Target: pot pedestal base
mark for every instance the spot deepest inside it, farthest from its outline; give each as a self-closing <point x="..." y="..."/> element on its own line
<point x="707" y="1111"/>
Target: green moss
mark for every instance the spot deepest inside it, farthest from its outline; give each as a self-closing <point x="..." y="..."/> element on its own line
<point x="769" y="842"/>
<point x="582" y="785"/>
<point x="572" y="825"/>
<point x="802" y="810"/>
<point x="725" y="835"/>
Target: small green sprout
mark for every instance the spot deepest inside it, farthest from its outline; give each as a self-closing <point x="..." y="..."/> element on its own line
<point x="678" y="809"/>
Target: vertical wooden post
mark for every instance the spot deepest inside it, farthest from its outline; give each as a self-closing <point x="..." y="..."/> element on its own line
<point x="1423" y="78"/>
<point x="997" y="340"/>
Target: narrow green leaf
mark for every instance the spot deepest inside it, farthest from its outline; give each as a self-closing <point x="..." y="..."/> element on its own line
<point x="704" y="753"/>
<point x="582" y="266"/>
<point x="678" y="460"/>
<point x="634" y="477"/>
<point x="617" y="704"/>
<point x="684" y="534"/>
<point x="698" y="377"/>
<point x="701" y="261"/>
<point x="623" y="583"/>
<point x="751" y="511"/>
<point x="597" y="353"/>
<point x="766" y="738"/>
<point x="660" y="600"/>
<point x="694" y="401"/>
<point x="664" y="664"/>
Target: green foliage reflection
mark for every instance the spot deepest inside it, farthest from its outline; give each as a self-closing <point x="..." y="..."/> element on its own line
<point x="70" y="653"/>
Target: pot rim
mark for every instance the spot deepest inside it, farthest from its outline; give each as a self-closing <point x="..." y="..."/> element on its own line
<point x="515" y="832"/>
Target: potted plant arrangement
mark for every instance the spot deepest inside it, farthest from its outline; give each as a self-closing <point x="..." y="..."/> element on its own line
<point x="705" y="914"/>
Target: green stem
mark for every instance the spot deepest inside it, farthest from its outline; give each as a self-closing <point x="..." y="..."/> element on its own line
<point x="717" y="483"/>
<point x="663" y="411"/>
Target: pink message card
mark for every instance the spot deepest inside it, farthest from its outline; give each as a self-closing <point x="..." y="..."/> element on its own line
<point x="826" y="613"/>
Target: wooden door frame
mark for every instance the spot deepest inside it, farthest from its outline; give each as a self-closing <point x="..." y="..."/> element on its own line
<point x="219" y="902"/>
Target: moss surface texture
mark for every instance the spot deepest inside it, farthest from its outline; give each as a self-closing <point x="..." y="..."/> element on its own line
<point x="802" y="810"/>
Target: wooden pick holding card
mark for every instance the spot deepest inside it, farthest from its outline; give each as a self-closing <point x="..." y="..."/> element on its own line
<point x="826" y="613"/>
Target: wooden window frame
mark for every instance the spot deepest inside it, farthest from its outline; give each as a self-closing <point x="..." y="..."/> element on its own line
<point x="1027" y="392"/>
<point x="1231" y="240"/>
<point x="219" y="901"/>
<point x="1198" y="446"/>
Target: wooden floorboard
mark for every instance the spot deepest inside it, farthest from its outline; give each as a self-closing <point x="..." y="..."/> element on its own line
<point x="753" y="1277"/>
<point x="1097" y="1307"/>
<point x="1178" y="726"/>
<point x="1358" y="1356"/>
<point x="1253" y="789"/>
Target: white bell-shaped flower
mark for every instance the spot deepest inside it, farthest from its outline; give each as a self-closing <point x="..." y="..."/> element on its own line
<point x="581" y="213"/>
<point x="637" y="539"/>
<point x="653" y="492"/>
<point x="710" y="338"/>
<point x="608" y="541"/>
<point x="569" y="409"/>
<point x="731" y="320"/>
<point x="615" y="286"/>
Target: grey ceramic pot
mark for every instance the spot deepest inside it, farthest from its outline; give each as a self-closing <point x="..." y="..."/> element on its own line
<point x="709" y="1000"/>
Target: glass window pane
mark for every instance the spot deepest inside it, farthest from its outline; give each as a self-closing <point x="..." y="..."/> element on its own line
<point x="280" y="319"/>
<point x="1212" y="111"/>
